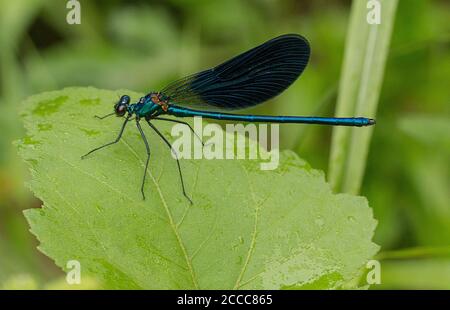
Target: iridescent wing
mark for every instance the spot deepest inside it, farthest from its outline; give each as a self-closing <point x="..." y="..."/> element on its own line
<point x="245" y="80"/>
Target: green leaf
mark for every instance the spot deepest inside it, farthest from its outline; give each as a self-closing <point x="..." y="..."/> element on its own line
<point x="247" y="228"/>
<point x="360" y="86"/>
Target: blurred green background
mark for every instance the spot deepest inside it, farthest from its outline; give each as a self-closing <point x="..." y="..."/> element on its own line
<point x="142" y="45"/>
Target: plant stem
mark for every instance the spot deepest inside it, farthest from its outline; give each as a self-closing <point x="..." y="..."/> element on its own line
<point x="359" y="90"/>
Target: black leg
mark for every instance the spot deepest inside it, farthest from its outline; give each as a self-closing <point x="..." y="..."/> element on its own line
<point x="180" y="122"/>
<point x="104" y="116"/>
<point x="176" y="157"/>
<point x="148" y="156"/>
<point x="110" y="143"/>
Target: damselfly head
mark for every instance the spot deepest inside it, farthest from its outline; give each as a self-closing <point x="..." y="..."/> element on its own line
<point x="121" y="107"/>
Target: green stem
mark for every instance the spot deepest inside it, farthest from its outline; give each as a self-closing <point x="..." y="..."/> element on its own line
<point x="359" y="90"/>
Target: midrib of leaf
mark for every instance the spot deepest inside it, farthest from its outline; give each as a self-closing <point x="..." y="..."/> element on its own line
<point x="169" y="215"/>
<point x="106" y="185"/>
<point x="93" y="231"/>
<point x="118" y="192"/>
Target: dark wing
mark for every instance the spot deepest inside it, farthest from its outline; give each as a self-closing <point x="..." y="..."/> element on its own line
<point x="245" y="80"/>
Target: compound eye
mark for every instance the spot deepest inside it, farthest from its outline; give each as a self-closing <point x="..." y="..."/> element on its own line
<point x="120" y="110"/>
<point x="125" y="100"/>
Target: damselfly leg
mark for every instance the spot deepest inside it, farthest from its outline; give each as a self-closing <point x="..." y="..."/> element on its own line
<point x="104" y="116"/>
<point x="110" y="143"/>
<point x="138" y="125"/>
<point x="180" y="122"/>
<point x="176" y="157"/>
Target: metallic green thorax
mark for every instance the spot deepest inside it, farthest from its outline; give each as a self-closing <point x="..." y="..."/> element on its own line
<point x="145" y="107"/>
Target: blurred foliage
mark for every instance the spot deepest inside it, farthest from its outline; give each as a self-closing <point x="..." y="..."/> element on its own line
<point x="142" y="45"/>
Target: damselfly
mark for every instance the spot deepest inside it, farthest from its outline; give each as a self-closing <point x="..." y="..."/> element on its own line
<point x="241" y="82"/>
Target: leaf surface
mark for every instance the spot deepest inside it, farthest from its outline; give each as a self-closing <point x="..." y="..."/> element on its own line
<point x="247" y="228"/>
